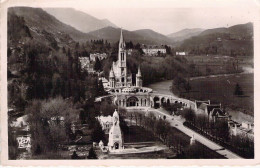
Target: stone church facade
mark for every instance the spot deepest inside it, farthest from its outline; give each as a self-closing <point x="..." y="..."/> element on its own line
<point x="119" y="75"/>
<point x="126" y="94"/>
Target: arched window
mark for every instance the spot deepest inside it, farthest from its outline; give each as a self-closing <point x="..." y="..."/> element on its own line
<point x="122" y="56"/>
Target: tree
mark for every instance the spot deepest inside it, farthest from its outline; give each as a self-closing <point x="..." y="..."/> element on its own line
<point x="188" y="114"/>
<point x="56" y="85"/>
<point x="74" y="155"/>
<point x="98" y="134"/>
<point x="97" y="66"/>
<point x="49" y="121"/>
<point x="168" y="49"/>
<point x="107" y="109"/>
<point x="101" y="90"/>
<point x="238" y="90"/>
<point x="92" y="154"/>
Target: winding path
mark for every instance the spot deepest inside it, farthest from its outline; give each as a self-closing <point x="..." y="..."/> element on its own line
<point x="178" y="123"/>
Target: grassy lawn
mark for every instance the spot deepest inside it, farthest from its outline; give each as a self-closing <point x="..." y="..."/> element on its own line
<point x="221" y="89"/>
<point x="138" y="134"/>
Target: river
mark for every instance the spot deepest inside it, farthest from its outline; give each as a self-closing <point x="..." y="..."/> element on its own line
<point x="164" y="88"/>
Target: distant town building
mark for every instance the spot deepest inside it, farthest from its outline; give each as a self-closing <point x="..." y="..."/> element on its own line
<point x="219" y="39"/>
<point x="153" y="50"/>
<point x="245" y="129"/>
<point x="90" y="69"/>
<point x="84" y="62"/>
<point x="212" y="111"/>
<point x="129" y="51"/>
<point x="100" y="56"/>
<point x="183" y="53"/>
<point x="87" y="65"/>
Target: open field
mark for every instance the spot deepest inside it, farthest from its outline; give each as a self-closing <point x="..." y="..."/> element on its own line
<point x="138" y="134"/>
<point x="221" y="89"/>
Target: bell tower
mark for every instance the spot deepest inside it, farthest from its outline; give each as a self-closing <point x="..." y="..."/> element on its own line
<point x="122" y="60"/>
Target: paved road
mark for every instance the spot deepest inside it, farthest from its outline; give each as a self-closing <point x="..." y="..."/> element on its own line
<point x="178" y="123"/>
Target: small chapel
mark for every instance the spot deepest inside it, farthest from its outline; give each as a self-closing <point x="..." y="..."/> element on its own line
<point x="119" y="76"/>
<point x="115" y="140"/>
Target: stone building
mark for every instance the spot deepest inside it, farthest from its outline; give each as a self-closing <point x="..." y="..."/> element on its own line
<point x="154" y="50"/>
<point x="84" y="62"/>
<point x="124" y="93"/>
<point x="183" y="53"/>
<point x="100" y="56"/>
<point x="119" y="76"/>
<point x="213" y="112"/>
<point x="115" y="140"/>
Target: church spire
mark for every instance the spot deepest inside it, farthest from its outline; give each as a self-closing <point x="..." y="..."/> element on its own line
<point x="121" y="41"/>
<point x="111" y="74"/>
<point x="139" y="72"/>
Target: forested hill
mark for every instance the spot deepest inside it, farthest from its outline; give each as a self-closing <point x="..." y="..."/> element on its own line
<point x="43" y="59"/>
<point x="185" y="34"/>
<point x="143" y="36"/>
<point x="39" y="22"/>
<point x="234" y="41"/>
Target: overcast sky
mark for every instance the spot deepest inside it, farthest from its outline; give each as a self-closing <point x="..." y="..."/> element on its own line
<point x="165" y="16"/>
<point x="171" y="20"/>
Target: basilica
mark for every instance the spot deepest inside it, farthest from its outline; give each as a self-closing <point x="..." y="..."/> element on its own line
<point x="119" y="76"/>
<point x="121" y="84"/>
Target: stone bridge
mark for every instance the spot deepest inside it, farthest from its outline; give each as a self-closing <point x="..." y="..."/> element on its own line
<point x="159" y="99"/>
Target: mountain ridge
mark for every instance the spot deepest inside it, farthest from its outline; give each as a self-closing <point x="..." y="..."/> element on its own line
<point x="78" y="19"/>
<point x="40" y="19"/>
<point x="234" y="40"/>
<point x="146" y="36"/>
<point x="185" y="34"/>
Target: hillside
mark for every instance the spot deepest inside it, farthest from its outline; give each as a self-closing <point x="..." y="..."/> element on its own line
<point x="79" y="20"/>
<point x="144" y="36"/>
<point x="185" y="34"/>
<point x="38" y="21"/>
<point x="234" y="41"/>
<point x="40" y="53"/>
<point x="148" y="34"/>
<point x="240" y="30"/>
